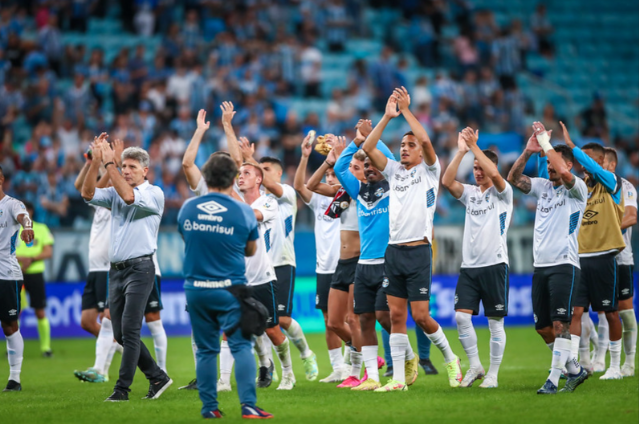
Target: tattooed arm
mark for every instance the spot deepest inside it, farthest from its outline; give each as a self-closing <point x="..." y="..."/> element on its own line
<point x="516" y="177"/>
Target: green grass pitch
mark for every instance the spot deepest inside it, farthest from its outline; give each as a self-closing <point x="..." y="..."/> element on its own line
<point x="52" y="394"/>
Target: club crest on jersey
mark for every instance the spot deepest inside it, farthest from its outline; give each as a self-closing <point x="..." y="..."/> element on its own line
<point x="385" y="282"/>
<point x="413" y="172"/>
<point x="379" y="192"/>
<point x="187" y="225"/>
<point x="487" y="197"/>
<point x="1" y="213"/>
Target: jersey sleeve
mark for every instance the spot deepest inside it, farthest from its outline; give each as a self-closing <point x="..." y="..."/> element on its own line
<point x="288" y="194"/>
<point x="343" y="174"/>
<point x="103" y="197"/>
<point x="150" y="199"/>
<point x="537" y="186"/>
<point x="435" y="169"/>
<point x="465" y="194"/>
<point x="629" y="195"/>
<point x="201" y="188"/>
<point x="391" y="167"/>
<point x="268" y="208"/>
<point x="505" y="196"/>
<point x="18" y="209"/>
<point x="579" y="190"/>
<point x="603" y="176"/>
<point x="312" y="201"/>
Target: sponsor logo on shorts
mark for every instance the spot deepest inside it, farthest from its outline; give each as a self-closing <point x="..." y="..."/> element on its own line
<point x="270" y="319"/>
<point x="535" y="318"/>
<point x="12" y="312"/>
<point x="317" y="299"/>
<point x="100" y="304"/>
<point x="281" y="307"/>
<point x="499" y="307"/>
<point x="385" y="282"/>
<point x="456" y="299"/>
<point x="625" y="291"/>
<point x="561" y="311"/>
<point x="207" y="285"/>
<point x="423" y="290"/>
<point x="605" y="302"/>
<point x="153" y="304"/>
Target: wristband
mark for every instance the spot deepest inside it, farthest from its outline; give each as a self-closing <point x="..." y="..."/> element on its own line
<point x="109" y="163"/>
<point x="544" y="141"/>
<point x="330" y="165"/>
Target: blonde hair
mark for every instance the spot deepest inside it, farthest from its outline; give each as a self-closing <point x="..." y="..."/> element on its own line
<point x="360" y="155"/>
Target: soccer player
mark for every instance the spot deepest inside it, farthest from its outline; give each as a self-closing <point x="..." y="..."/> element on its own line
<point x="484" y="270"/>
<point x="13" y="215"/>
<point x="561" y="201"/>
<point x="214" y="261"/>
<point x="31" y="259"/>
<point x="600" y="240"/>
<point x="369" y="297"/>
<point x="327" y="250"/>
<point x="625" y="263"/>
<point x="341" y="315"/>
<point x="414" y="182"/>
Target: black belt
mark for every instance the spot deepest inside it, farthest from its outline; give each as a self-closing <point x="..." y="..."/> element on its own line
<point x="125" y="264"/>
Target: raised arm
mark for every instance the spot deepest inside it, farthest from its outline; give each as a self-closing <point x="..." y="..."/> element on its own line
<point x="82" y="175"/>
<point x="299" y="183"/>
<point x="629" y="217"/>
<point x="378" y="159"/>
<point x="555" y="159"/>
<point x="342" y="172"/>
<point x="191" y="171"/>
<point x="228" y="113"/>
<point x="315" y="183"/>
<point x="449" y="179"/>
<point x="515" y="176"/>
<point x="91" y="177"/>
<point x="124" y="190"/>
<point x="248" y="149"/>
<point x="403" y="102"/>
<point x="489" y="167"/>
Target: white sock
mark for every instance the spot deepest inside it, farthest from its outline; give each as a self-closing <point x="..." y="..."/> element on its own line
<point x="629" y="324"/>
<point x="439" y="339"/>
<point x="347" y="353"/>
<point x="410" y="355"/>
<point x="574" y="346"/>
<point x="398" y="344"/>
<point x="226" y="362"/>
<point x="103" y="345"/>
<point x="593" y="329"/>
<point x="603" y="339"/>
<point x="160" y="342"/>
<point x="468" y="338"/>
<point x="115" y="346"/>
<point x="615" y="354"/>
<point x="296" y="335"/>
<point x="497" y="344"/>
<point x="337" y="360"/>
<point x="15" y="351"/>
<point x="194" y="349"/>
<point x="584" y="341"/>
<point x="560" y="356"/>
<point x="284" y="353"/>
<point x="356" y="362"/>
<point x="369" y="354"/>
<point x="263" y="349"/>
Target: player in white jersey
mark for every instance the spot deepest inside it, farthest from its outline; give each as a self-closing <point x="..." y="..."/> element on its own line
<point x="625" y="265"/>
<point x="327" y="251"/>
<point x="484" y="270"/>
<point x="414" y="183"/>
<point x="13" y="214"/>
<point x="561" y="201"/>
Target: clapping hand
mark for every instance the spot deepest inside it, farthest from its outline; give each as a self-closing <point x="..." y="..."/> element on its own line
<point x="470" y="137"/>
<point x="202" y="123"/>
<point x="227" y="114"/>
<point x="402" y="97"/>
<point x="307" y="147"/>
<point x="364" y="127"/>
<point x="567" y="138"/>
<point x="391" y="107"/>
<point x="247" y="148"/>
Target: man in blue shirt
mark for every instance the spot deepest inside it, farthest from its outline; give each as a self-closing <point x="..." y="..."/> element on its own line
<point x="218" y="233"/>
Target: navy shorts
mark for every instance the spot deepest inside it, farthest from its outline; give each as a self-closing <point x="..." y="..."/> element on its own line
<point x="488" y="284"/>
<point x="266" y="294"/>
<point x="409" y="271"/>
<point x="285" y="289"/>
<point x="344" y="274"/>
<point x="96" y="291"/>
<point x="9" y="300"/>
<point x="598" y="283"/>
<point x="553" y="294"/>
<point x="368" y="293"/>
<point x="154" y="304"/>
<point x="626" y="286"/>
<point x="34" y="285"/>
<point x="322" y="290"/>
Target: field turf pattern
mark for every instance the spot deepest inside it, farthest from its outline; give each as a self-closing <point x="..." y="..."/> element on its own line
<point x="51" y="394"/>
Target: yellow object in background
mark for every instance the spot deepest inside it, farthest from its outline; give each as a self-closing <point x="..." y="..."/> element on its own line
<point x="42" y="237"/>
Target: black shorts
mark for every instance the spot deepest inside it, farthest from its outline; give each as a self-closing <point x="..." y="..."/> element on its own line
<point x="626" y="286"/>
<point x="154" y="304"/>
<point x="368" y="293"/>
<point x="96" y="291"/>
<point x="266" y="294"/>
<point x="553" y="294"/>
<point x="34" y="285"/>
<point x="10" y="300"/>
<point x="321" y="291"/>
<point x="489" y="284"/>
<point x="598" y="284"/>
<point x="409" y="271"/>
<point x="344" y="274"/>
<point x="285" y="289"/>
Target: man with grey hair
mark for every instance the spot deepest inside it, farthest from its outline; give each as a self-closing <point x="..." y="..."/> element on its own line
<point x="136" y="209"/>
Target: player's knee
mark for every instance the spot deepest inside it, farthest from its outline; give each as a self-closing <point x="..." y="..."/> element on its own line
<point x="8" y="328"/>
<point x="40" y="314"/>
<point x="463" y="319"/>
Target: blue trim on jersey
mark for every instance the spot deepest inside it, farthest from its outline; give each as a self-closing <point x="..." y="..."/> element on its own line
<point x="502" y="222"/>
<point x="288" y="225"/>
<point x="430" y="197"/>
<point x="157" y="290"/>
<point x="574" y="221"/>
<point x="12" y="248"/>
<point x="572" y="285"/>
<point x="267" y="239"/>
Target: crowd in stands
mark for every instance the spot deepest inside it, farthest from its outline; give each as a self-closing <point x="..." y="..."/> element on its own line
<point x="258" y="54"/>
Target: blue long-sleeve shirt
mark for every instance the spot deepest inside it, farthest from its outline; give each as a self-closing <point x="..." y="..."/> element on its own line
<point x="372" y="204"/>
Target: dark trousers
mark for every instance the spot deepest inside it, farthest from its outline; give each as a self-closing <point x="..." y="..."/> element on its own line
<point x="129" y="291"/>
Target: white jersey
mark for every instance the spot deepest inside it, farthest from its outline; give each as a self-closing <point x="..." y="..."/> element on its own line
<point x="630" y="199"/>
<point x="327" y="239"/>
<point x="10" y="209"/>
<point x="100" y="240"/>
<point x="259" y="267"/>
<point x="557" y="221"/>
<point x="348" y="217"/>
<point x="413" y="198"/>
<point x="488" y="217"/>
<point x="284" y="251"/>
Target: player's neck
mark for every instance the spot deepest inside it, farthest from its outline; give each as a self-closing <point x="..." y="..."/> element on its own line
<point x="411" y="165"/>
<point x="252" y="195"/>
<point x="2" y="194"/>
<point x="226" y="191"/>
<point x="486" y="186"/>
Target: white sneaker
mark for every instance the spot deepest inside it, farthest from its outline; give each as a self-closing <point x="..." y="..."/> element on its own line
<point x="628" y="370"/>
<point x="223" y="386"/>
<point x="471" y="376"/>
<point x="612" y="374"/>
<point x="598" y="366"/>
<point x="288" y="382"/>
<point x="490" y="382"/>
<point x="337" y="376"/>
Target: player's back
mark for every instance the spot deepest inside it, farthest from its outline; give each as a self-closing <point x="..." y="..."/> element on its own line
<point x="259" y="267"/>
<point x="372" y="211"/>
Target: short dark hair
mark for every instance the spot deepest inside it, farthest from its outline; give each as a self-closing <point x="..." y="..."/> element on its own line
<point x="565" y="152"/>
<point x="270" y="159"/>
<point x="612" y="154"/>
<point x="219" y="171"/>
<point x="595" y="147"/>
<point x="491" y="155"/>
<point x="408" y="133"/>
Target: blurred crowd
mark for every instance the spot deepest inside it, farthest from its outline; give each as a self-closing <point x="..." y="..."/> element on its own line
<point x="259" y="54"/>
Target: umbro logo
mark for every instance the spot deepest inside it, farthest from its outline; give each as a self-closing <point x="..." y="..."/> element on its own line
<point x="456" y="299"/>
<point x="561" y="311"/>
<point x="423" y="290"/>
<point x="12" y="312"/>
<point x="535" y="318"/>
<point x="499" y="307"/>
<point x="211" y="207"/>
<point x="317" y="299"/>
<point x="281" y="307"/>
<point x="153" y="304"/>
<point x="270" y="319"/>
<point x="625" y="291"/>
<point x="590" y="214"/>
<point x="605" y="302"/>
